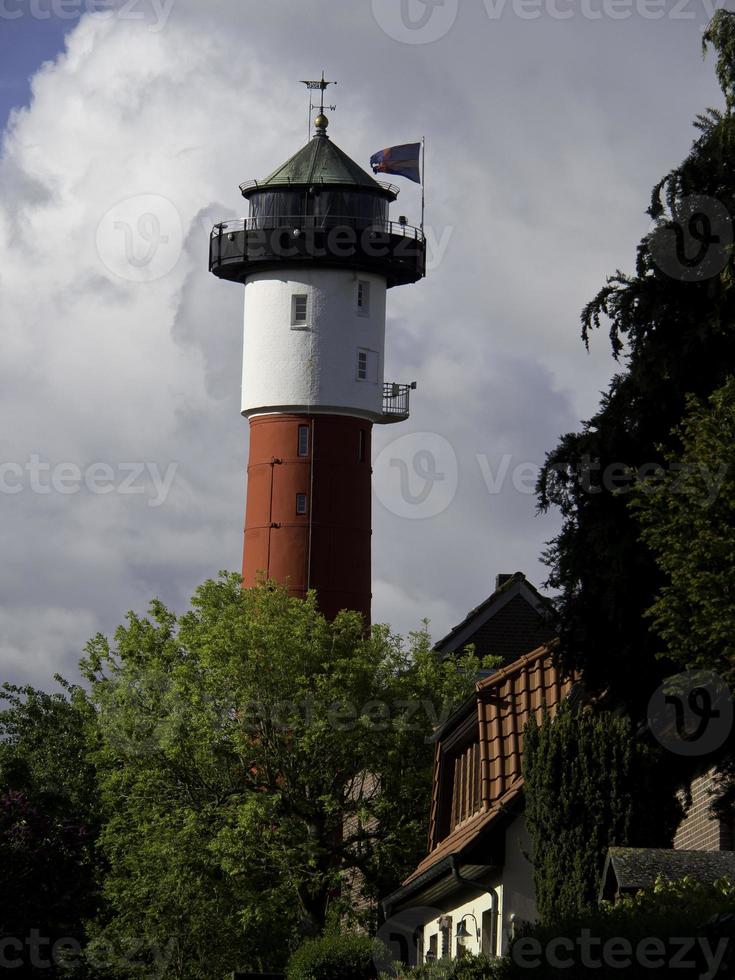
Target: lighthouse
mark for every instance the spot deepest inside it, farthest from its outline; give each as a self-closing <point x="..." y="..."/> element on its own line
<point x="317" y="255"/>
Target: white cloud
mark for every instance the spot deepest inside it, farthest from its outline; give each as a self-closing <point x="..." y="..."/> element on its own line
<point x="539" y="170"/>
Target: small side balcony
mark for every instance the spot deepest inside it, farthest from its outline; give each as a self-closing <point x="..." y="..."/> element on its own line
<point x="396" y="402"/>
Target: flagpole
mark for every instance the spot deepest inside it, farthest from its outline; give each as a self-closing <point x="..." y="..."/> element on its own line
<point x="423" y="182"/>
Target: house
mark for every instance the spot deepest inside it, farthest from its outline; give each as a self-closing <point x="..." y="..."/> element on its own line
<point x="514" y="619"/>
<point x="629" y="869"/>
<point x="477" y="878"/>
<point x="701" y="829"/>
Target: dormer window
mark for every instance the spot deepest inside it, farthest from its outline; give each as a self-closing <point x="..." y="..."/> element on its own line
<point x="466" y="785"/>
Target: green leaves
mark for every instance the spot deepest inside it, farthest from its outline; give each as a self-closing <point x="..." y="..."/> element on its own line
<point x="672" y="327"/>
<point x="250" y="755"/>
<point x="687" y="515"/>
<point x="590" y="783"/>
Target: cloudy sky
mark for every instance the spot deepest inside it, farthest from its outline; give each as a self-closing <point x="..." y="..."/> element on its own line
<point x="126" y="132"/>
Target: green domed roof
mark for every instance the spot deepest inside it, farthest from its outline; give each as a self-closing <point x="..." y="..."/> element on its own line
<point x="319" y="162"/>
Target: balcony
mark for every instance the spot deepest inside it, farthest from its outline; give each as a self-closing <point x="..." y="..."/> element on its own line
<point x="396" y="402"/>
<point x="240" y="248"/>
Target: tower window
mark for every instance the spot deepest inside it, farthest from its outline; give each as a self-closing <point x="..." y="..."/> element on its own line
<point x="300" y="503"/>
<point x="299" y="309"/>
<point x="363" y="297"/>
<point x="303" y="440"/>
<point x="367" y="365"/>
<point x="361" y="446"/>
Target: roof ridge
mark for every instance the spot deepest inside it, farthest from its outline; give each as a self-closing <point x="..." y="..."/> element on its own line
<point x="513" y="668"/>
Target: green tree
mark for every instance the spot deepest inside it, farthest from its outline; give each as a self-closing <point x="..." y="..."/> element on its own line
<point x="49" y="818"/>
<point x="687" y="515"/>
<point x="589" y="783"/>
<point x="233" y="743"/>
<point x="672" y="325"/>
<point x="687" y="512"/>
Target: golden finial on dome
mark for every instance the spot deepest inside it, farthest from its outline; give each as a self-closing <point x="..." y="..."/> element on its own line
<point x="321" y="121"/>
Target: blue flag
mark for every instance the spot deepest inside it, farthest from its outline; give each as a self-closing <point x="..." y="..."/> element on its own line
<point x="403" y="160"/>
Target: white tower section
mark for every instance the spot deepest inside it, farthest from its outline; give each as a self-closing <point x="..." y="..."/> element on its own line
<point x="315" y="342"/>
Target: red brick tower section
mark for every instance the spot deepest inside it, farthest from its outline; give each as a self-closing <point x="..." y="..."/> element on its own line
<point x="308" y="514"/>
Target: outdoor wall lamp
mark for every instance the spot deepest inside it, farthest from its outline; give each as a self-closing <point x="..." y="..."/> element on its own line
<point x="463" y="932"/>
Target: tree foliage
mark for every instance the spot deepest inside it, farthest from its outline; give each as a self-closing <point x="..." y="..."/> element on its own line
<point x="673" y="328"/>
<point x="49" y="818"/>
<point x="589" y="783"/>
<point x="337" y="957"/>
<point x="687" y="515"/>
<point x="234" y="746"/>
<point x="687" y="512"/>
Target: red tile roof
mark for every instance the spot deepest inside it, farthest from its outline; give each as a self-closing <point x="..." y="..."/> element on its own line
<point x="504" y="703"/>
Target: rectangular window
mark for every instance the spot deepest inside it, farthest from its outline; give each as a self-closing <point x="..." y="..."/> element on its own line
<point x="299" y="309"/>
<point x="466" y="785"/>
<point x="300" y="503"/>
<point x="303" y="440"/>
<point x="362" y="446"/>
<point x="363" y="297"/>
<point x="362" y="365"/>
<point x="433" y="947"/>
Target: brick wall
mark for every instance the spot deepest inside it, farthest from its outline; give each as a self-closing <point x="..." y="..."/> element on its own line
<point x="699" y="831"/>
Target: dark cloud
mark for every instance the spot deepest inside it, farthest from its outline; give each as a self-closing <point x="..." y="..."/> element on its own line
<point x="544" y="137"/>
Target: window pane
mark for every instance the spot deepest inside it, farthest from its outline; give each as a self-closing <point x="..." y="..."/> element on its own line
<point x="299" y="308"/>
<point x="363" y="296"/>
<point x="303" y="440"/>
<point x="300" y="503"/>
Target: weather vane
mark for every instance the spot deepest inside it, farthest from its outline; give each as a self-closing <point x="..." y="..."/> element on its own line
<point x="321" y="85"/>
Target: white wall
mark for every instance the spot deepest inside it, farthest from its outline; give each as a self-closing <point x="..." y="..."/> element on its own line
<point x="518" y="888"/>
<point x="313" y="367"/>
<point x="515" y="894"/>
